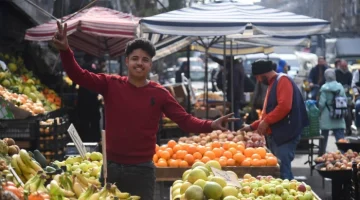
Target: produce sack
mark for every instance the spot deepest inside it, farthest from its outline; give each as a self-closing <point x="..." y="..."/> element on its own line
<point x="313" y="114"/>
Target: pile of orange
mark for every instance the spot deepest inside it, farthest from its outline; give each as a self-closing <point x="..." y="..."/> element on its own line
<point x="228" y="154"/>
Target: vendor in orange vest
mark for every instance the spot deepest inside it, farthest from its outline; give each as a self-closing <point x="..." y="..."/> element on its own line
<point x="283" y="116"/>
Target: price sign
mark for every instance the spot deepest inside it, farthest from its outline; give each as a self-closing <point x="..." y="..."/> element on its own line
<point x="77" y="141"/>
<point x="230" y="178"/>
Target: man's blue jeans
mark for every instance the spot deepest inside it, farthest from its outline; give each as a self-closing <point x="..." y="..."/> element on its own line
<point x="338" y="133"/>
<point x="285" y="153"/>
<point x="357" y="112"/>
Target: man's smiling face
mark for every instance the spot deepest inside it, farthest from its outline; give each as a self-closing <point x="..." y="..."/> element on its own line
<point x="139" y="64"/>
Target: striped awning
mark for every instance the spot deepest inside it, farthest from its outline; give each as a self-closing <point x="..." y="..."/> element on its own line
<point x="225" y="18"/>
<point x="96" y="31"/>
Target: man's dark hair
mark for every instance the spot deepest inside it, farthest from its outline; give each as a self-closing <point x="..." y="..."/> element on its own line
<point x="140" y="43"/>
<point x="337" y="61"/>
<point x="274" y="66"/>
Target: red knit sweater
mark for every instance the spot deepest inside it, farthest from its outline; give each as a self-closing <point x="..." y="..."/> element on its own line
<point x="132" y="113"/>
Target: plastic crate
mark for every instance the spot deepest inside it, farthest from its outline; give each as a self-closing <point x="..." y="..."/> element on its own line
<point x="355" y="180"/>
<point x="24" y="129"/>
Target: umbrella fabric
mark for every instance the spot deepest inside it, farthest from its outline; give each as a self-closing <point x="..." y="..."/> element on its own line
<point x="225" y="18"/>
<point x="96" y="30"/>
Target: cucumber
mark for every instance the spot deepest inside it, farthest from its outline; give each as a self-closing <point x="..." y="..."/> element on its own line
<point x="40" y="158"/>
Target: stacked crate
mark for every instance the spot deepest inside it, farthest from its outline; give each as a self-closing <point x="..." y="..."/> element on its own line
<point x="53" y="137"/>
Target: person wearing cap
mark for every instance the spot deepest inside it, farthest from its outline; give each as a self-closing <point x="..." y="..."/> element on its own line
<point x="283" y="118"/>
<point x="282" y="67"/>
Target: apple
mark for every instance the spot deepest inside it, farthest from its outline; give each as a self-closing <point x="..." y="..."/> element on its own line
<point x="277" y="197"/>
<point x="292" y="192"/>
<point x="308" y="188"/>
<point x="301" y="188"/>
<point x="253" y="185"/>
<point x="279" y="189"/>
<point x="272" y="190"/>
<point x="293" y="185"/>
<point x="308" y="195"/>
<point x="246" y="190"/>
<point x="284" y="195"/>
<point x="290" y="197"/>
<point x="261" y="191"/>
<point x="286" y="185"/>
<point x="255" y="191"/>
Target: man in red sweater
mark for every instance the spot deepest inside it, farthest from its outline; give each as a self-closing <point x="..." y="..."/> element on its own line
<point x="133" y="107"/>
<point x="283" y="115"/>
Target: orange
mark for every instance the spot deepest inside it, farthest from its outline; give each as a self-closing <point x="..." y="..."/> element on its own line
<point x="222" y="162"/>
<point x="163" y="147"/>
<point x="158" y="153"/>
<point x="171" y="143"/>
<point x="205" y="159"/>
<point x="232" y="145"/>
<point x="230" y="162"/>
<point x="185" y="146"/>
<point x="246" y="162"/>
<point x="178" y="161"/>
<point x="197" y="155"/>
<point x="183" y="163"/>
<point x="271" y="161"/>
<point x="256" y="156"/>
<point x="201" y="149"/>
<point x="180" y="154"/>
<point x="165" y="155"/>
<point x="170" y="151"/>
<point x="248" y="152"/>
<point x="173" y="156"/>
<point x="240" y="148"/>
<point x="223" y="157"/>
<point x="191" y="149"/>
<point x="227" y="154"/>
<point x="162" y="163"/>
<point x="176" y="148"/>
<point x="233" y="150"/>
<point x="261" y="151"/>
<point x="269" y="155"/>
<point x="239" y="157"/>
<point x="215" y="144"/>
<point x="155" y="158"/>
<point x="210" y="155"/>
<point x="157" y="148"/>
<point x="173" y="163"/>
<point x="262" y="162"/>
<point x="217" y="152"/>
<point x="189" y="158"/>
<point x="255" y="162"/>
<point x="226" y="146"/>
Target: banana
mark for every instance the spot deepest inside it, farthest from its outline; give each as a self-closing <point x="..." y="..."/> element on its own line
<point x="24" y="155"/>
<point x="95" y="196"/>
<point x="82" y="179"/>
<point x="57" y="178"/>
<point x="93" y="182"/>
<point x="135" y="197"/>
<point x="56" y="187"/>
<point x="15" y="166"/>
<point x="78" y="189"/>
<point x="23" y="167"/>
<point x="123" y="195"/>
<point x="28" y="176"/>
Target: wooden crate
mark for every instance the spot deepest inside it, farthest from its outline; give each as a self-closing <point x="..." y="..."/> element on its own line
<point x="173" y="174"/>
<point x="316" y="197"/>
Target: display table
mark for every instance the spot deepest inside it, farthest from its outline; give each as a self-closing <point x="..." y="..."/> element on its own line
<point x="310" y="151"/>
<point x="173" y="174"/>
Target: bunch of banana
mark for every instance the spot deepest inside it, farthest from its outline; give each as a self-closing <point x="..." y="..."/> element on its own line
<point x="25" y="167"/>
<point x="110" y="191"/>
<point x="36" y="184"/>
<point x="61" y="186"/>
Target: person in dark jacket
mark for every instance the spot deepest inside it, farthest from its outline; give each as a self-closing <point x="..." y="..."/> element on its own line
<point x="89" y="107"/>
<point x="316" y="77"/>
<point x="344" y="77"/>
<point x="283" y="116"/>
<point x="183" y="68"/>
<point x="239" y="80"/>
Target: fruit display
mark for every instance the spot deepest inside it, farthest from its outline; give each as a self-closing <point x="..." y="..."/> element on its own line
<point x="200" y="182"/>
<point x="337" y="161"/>
<point x="175" y="154"/>
<point x="89" y="168"/>
<point x="249" y="139"/>
<point x="9" y="190"/>
<point x="7" y="149"/>
<point x="24" y="89"/>
<point x="211" y="96"/>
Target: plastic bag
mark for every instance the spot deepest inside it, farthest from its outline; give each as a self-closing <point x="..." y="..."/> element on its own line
<point x="313" y="114"/>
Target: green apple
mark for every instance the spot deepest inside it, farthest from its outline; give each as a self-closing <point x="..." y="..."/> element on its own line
<point x="229" y="191"/>
<point x="279" y="189"/>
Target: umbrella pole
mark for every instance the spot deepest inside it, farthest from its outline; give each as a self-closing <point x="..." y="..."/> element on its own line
<point x="206" y="82"/>
<point x="232" y="82"/>
<point x="224" y="76"/>
<point x="188" y="76"/>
